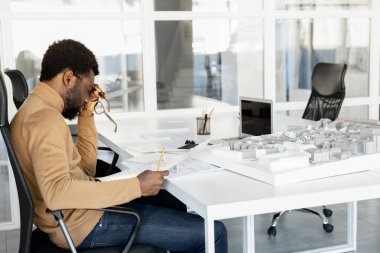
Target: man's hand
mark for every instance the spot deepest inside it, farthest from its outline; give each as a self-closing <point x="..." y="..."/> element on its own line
<point x="151" y="181"/>
<point x="89" y="105"/>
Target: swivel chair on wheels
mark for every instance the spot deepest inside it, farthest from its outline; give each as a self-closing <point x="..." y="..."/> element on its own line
<point x="327" y="95"/>
<point x="37" y="241"/>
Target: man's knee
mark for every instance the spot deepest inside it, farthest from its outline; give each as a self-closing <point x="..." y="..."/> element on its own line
<point x="220" y="230"/>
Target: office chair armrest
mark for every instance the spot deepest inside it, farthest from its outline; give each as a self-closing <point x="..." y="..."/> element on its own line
<point x="105" y="148"/>
<point x="115" y="209"/>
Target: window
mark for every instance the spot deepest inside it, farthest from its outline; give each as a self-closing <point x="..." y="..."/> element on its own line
<point x="202" y="62"/>
<point x="170" y="54"/>
<point x="302" y="43"/>
<point x="321" y="4"/>
<point x="116" y="43"/>
<point x="207" y="5"/>
<point x="94" y="6"/>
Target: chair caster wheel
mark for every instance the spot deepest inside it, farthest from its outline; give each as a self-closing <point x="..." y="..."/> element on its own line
<point x="327" y="212"/>
<point x="328" y="228"/>
<point x="272" y="231"/>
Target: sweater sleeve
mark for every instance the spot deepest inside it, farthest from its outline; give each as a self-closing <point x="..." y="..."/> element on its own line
<point x="54" y="170"/>
<point x="87" y="144"/>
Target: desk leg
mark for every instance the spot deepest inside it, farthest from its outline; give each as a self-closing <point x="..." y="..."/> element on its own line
<point x="351" y="234"/>
<point x="352" y="219"/>
<point x="249" y="234"/>
<point x="209" y="236"/>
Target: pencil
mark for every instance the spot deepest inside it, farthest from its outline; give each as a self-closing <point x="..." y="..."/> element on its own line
<point x="161" y="156"/>
<point x="209" y="115"/>
<point x="201" y="124"/>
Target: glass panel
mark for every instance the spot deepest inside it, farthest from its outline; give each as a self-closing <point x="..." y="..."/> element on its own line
<point x="208" y="62"/>
<point x="354" y="112"/>
<point x="300" y="44"/>
<point x="346" y="112"/>
<point x="321" y="4"/>
<point x="207" y="5"/>
<point x="293" y="113"/>
<point x="66" y="6"/>
<point x="5" y="201"/>
<point x="116" y="44"/>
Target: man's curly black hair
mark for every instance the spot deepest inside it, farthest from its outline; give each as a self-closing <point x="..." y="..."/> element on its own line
<point x="67" y="54"/>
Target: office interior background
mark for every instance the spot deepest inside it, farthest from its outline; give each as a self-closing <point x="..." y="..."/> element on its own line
<point x="176" y="56"/>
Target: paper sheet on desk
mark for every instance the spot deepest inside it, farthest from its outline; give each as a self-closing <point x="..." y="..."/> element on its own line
<point x="178" y="165"/>
<point x="190" y="166"/>
<point x="153" y="141"/>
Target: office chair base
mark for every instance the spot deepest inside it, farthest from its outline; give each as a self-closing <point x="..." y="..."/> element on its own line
<point x="272" y="230"/>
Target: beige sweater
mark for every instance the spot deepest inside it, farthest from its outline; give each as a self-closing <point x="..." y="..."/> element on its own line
<point x="59" y="172"/>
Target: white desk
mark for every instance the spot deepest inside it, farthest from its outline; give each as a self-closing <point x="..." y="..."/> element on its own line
<point x="224" y="194"/>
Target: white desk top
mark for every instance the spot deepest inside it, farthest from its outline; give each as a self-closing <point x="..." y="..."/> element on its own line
<point x="223" y="125"/>
<point x="224" y="194"/>
<point x="228" y="191"/>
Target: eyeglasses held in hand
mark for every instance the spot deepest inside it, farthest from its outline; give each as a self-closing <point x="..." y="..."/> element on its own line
<point x="99" y="109"/>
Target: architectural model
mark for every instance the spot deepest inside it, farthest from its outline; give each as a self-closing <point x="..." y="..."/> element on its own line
<point x="305" y="152"/>
<point x="326" y="141"/>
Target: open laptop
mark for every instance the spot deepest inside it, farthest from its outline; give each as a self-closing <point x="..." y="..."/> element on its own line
<point x="256" y="118"/>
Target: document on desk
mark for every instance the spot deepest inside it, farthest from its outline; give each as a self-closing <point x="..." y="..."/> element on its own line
<point x="176" y="164"/>
<point x="151" y="142"/>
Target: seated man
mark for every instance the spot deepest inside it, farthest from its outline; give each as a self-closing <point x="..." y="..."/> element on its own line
<point x="60" y="173"/>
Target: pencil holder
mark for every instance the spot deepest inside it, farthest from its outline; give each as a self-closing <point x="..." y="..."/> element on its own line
<point x="203" y="125"/>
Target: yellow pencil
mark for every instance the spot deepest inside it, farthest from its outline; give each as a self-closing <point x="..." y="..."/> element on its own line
<point x="161" y="156"/>
<point x="209" y="115"/>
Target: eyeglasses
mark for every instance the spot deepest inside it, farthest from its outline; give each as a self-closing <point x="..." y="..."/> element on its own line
<point x="99" y="109"/>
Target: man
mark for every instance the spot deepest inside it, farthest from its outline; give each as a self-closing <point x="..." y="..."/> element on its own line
<point x="60" y="173"/>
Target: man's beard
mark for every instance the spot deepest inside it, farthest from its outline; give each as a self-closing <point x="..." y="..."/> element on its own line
<point x="73" y="102"/>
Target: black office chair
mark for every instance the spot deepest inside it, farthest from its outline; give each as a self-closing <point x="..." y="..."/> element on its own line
<point x="327" y="95"/>
<point x="328" y="91"/>
<point x="19" y="86"/>
<point x="37" y="241"/>
<point x="20" y="93"/>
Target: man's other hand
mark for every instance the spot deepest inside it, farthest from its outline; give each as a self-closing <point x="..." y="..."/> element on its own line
<point x="151" y="181"/>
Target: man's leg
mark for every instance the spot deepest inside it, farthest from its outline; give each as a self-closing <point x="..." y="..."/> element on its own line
<point x="163" y="198"/>
<point x="161" y="227"/>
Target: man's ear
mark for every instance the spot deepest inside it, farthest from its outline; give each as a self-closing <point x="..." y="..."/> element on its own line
<point x="68" y="76"/>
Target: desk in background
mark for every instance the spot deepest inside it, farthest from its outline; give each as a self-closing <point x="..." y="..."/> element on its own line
<point x="224" y="194"/>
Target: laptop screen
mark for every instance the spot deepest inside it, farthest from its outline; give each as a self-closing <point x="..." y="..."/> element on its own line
<point x="255" y="116"/>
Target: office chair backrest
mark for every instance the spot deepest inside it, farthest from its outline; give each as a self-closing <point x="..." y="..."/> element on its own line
<point x="328" y="91"/>
<point x="25" y="199"/>
<point x="19" y="86"/>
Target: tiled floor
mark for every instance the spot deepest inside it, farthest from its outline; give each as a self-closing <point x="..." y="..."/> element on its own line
<point x="296" y="231"/>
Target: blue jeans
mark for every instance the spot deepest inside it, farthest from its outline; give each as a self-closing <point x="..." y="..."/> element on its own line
<point x="161" y="227"/>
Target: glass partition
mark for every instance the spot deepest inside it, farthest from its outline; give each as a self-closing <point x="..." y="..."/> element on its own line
<point x="302" y="43"/>
<point x="322" y="4"/>
<point x="116" y="44"/>
<point x="354" y="112"/>
<point x="207" y="5"/>
<point x="346" y="112"/>
<point x="75" y="6"/>
<point x="208" y="62"/>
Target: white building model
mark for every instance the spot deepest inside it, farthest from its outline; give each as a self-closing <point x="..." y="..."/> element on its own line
<point x="303" y="153"/>
<point x="323" y="142"/>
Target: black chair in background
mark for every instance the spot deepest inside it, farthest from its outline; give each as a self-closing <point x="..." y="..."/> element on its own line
<point x="327" y="95"/>
<point x="37" y="241"/>
<point x="19" y="86"/>
<point x="20" y="93"/>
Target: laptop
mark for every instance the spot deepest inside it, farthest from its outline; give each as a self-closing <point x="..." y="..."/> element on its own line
<point x="256" y="118"/>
